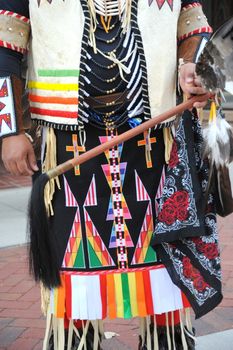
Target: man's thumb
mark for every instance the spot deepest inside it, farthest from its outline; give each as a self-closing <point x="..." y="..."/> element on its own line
<point x="32" y="160"/>
<point x="189" y="78"/>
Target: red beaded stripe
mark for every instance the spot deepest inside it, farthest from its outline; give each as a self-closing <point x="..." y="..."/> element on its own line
<point x="103" y="291"/>
<point x="53" y="113"/>
<point x="104" y="272"/>
<point x="196" y="31"/>
<point x="68" y="302"/>
<point x="149" y="299"/>
<point x="12" y="47"/>
<point x="195" y="4"/>
<point x="15" y="15"/>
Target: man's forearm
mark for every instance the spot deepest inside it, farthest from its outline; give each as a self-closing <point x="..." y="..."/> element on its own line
<point x="193" y="31"/>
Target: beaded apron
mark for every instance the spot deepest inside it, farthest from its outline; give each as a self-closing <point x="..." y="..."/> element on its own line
<point x="111" y="201"/>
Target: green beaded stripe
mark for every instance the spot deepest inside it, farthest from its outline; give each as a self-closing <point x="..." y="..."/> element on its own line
<point x="126" y="296"/>
<point x="58" y="72"/>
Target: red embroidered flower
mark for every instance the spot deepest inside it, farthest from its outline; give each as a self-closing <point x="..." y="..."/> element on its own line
<point x="200" y="284"/>
<point x="201" y="246"/>
<point x="186" y="261"/>
<point x="210" y="251"/>
<point x="161" y="216"/>
<point x="168" y="213"/>
<point x="174" y="159"/>
<point x="175" y="207"/>
<point x="181" y="198"/>
<point x="182" y="214"/>
<point x="197" y="240"/>
<point x="187" y="268"/>
<point x="189" y="271"/>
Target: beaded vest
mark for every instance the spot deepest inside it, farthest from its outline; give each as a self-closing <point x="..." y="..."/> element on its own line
<point x="65" y="35"/>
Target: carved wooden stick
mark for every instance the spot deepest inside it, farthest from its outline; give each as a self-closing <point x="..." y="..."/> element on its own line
<point x="71" y="163"/>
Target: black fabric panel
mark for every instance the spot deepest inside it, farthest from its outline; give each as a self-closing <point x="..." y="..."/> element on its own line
<point x="177" y="180"/>
<point x="210" y="300"/>
<point x="21" y="7"/>
<point x="134" y="157"/>
<point x="10" y="62"/>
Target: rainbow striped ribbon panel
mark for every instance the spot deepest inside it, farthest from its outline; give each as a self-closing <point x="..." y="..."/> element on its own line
<point x="114" y="294"/>
<point x="54" y="96"/>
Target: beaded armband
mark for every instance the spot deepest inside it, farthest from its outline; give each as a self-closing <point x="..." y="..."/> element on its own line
<point x="192" y="21"/>
<point x="11" y="113"/>
<point x="193" y="32"/>
<point x="14" y="31"/>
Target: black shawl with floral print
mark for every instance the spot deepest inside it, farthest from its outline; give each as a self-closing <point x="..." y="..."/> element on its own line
<point x="185" y="236"/>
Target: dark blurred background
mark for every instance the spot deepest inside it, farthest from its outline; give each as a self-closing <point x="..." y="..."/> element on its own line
<point x="218" y="11"/>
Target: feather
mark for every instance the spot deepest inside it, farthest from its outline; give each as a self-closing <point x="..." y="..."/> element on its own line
<point x="218" y="148"/>
<point x="218" y="141"/>
<point x="215" y="64"/>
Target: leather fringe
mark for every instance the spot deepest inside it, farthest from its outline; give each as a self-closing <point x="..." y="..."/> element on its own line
<point x="168" y="142"/>
<point x="50" y="162"/>
<point x="58" y="338"/>
<point x="169" y="337"/>
<point x="45" y="299"/>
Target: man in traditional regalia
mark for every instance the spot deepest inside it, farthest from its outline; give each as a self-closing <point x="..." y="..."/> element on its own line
<point x="97" y="68"/>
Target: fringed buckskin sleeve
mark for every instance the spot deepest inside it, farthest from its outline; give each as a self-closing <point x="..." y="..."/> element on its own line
<point x="193" y="30"/>
<point x="14" y="37"/>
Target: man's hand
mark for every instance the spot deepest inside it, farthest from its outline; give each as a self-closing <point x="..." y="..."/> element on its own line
<point x="18" y="155"/>
<point x="190" y="84"/>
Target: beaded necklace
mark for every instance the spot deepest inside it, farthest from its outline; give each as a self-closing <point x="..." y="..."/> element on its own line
<point x="110" y="80"/>
<point x="114" y="102"/>
<point x="110" y="41"/>
<point x="119" y="56"/>
<point x="108" y="120"/>
<point x="116" y="111"/>
<point x="113" y="112"/>
<point x="122" y="39"/>
<point x="104" y="92"/>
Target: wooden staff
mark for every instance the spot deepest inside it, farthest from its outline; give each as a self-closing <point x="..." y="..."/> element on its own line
<point x="71" y="163"/>
<point x="43" y="260"/>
